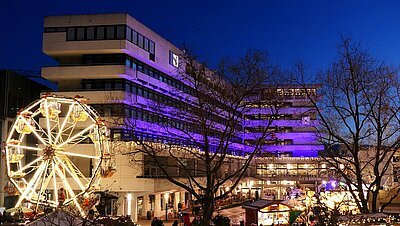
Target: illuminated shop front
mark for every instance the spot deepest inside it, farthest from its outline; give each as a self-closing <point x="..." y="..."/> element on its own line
<point x="267" y="212"/>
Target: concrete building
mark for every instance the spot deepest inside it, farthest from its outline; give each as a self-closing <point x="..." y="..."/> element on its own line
<point x="124" y="68"/>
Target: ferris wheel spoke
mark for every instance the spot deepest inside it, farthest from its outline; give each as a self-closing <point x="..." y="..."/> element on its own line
<point x="69" y="190"/>
<point x="24" y="147"/>
<point x="72" y="166"/>
<point x="45" y="179"/>
<point x="36" y="184"/>
<point x="54" y="182"/>
<point x="34" y="131"/>
<point x="78" y="155"/>
<point x="30" y="186"/>
<point x="74" y="176"/>
<point x="48" y="119"/>
<point x="26" y="166"/>
<point x="61" y="129"/>
<point x="76" y="136"/>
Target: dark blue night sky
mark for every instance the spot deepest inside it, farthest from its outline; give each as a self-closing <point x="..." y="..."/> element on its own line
<point x="288" y="30"/>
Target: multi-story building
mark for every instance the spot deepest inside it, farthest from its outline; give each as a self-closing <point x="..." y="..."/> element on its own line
<point x="18" y="89"/>
<point x="125" y="69"/>
<point x="290" y="154"/>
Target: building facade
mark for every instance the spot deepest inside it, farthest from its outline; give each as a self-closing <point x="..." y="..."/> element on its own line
<point x="125" y="70"/>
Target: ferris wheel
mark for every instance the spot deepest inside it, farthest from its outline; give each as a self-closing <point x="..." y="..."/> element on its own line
<point x="57" y="151"/>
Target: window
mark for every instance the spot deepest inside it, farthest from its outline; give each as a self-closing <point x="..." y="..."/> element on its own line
<point x="140" y="41"/>
<point x="90" y="33"/>
<point x="129" y="34"/>
<point x="70" y="33"/>
<point x="146" y="44"/>
<point x="100" y="33"/>
<point x="134" y="37"/>
<point x="110" y="32"/>
<point x="152" y="47"/>
<point x="120" y="32"/>
<point x="80" y="34"/>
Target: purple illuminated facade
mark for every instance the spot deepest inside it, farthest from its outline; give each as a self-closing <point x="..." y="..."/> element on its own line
<point x="293" y="132"/>
<point x="127" y="70"/>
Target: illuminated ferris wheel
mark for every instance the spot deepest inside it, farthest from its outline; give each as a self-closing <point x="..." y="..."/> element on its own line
<point x="57" y="151"/>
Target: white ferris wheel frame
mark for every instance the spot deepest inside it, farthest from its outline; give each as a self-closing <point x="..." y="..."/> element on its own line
<point x="57" y="133"/>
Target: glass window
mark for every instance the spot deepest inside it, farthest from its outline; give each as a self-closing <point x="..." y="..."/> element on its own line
<point x="61" y="29"/>
<point x="129" y="34"/>
<point x="120" y="32"/>
<point x="107" y="85"/>
<point x="146" y="44"/>
<point x="118" y="84"/>
<point x="134" y="37"/>
<point x="110" y="32"/>
<point x="80" y="33"/>
<point x="100" y="33"/>
<point x="90" y="33"/>
<point x="71" y="33"/>
<point x="152" y="47"/>
<point x="49" y="29"/>
<point x="140" y="41"/>
<point x="128" y="87"/>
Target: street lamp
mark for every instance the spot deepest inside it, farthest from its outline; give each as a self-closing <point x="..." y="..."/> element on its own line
<point x="166" y="206"/>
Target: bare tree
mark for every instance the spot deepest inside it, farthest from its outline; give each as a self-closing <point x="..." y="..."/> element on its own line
<point x="203" y="149"/>
<point x="358" y="112"/>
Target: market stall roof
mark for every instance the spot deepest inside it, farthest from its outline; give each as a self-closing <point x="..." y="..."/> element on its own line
<point x="62" y="218"/>
<point x="262" y="203"/>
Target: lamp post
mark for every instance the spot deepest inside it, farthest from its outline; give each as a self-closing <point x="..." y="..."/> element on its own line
<point x="166" y="206"/>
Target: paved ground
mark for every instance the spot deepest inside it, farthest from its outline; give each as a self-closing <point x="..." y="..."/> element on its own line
<point x="236" y="214"/>
<point x="148" y="222"/>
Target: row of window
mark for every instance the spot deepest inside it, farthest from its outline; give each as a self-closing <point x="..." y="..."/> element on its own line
<point x="121" y="59"/>
<point x="277" y="117"/>
<point x="147" y="116"/>
<point x="262" y="104"/>
<point x="122" y="84"/>
<point x="268" y="116"/>
<point x="106" y="32"/>
<point x="280" y="129"/>
<point x="274" y="142"/>
<point x="126" y="135"/>
<point x="143" y="115"/>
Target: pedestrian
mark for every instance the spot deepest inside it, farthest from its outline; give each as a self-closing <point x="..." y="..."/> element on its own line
<point x="186" y="219"/>
<point x="160" y="222"/>
<point x="154" y="222"/>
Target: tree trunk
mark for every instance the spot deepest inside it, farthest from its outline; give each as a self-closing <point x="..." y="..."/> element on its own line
<point x="208" y="208"/>
<point x="374" y="207"/>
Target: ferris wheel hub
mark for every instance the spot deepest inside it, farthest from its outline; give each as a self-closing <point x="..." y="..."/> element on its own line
<point x="49" y="152"/>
